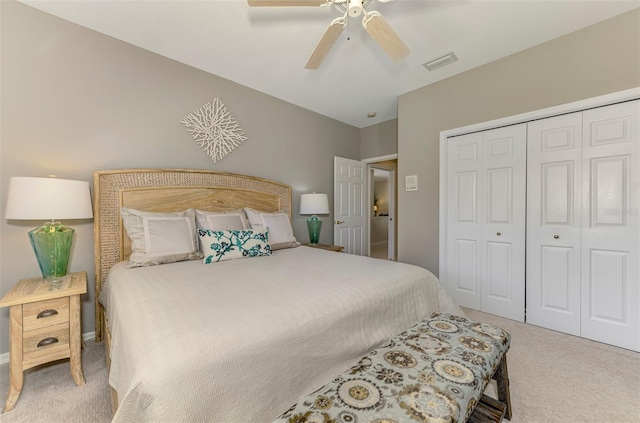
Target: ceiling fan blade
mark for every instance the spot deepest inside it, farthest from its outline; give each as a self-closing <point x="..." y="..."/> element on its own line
<point x="385" y="36"/>
<point x="259" y="3"/>
<point x="326" y="42"/>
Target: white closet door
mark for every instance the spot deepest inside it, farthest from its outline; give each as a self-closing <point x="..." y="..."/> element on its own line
<point x="503" y="221"/>
<point x="464" y="228"/>
<point x="554" y="222"/>
<point x="486" y="220"/>
<point x="611" y="225"/>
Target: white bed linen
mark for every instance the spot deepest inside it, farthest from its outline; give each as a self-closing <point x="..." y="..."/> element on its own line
<point x="242" y="340"/>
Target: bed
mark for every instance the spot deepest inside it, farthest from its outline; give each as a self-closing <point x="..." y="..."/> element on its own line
<point x="240" y="340"/>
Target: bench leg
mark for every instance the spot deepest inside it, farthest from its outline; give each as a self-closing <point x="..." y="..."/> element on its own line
<point x="502" y="378"/>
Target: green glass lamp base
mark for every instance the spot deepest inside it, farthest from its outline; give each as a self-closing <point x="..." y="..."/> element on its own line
<point x="314" y="225"/>
<point x="52" y="244"/>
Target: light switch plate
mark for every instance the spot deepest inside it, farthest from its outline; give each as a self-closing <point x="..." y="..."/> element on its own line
<point x="411" y="183"/>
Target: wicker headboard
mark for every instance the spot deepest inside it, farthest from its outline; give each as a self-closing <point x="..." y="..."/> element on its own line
<point x="165" y="190"/>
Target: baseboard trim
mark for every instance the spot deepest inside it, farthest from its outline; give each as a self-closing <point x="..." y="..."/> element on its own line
<point x="89" y="336"/>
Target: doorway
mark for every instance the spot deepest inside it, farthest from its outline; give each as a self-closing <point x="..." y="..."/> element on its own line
<point x="383" y="201"/>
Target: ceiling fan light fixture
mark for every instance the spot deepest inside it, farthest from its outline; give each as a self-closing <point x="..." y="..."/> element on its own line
<point x="355" y="8"/>
<point x="442" y="61"/>
<point x="377" y="27"/>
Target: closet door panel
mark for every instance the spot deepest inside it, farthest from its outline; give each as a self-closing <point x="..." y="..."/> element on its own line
<point x="557" y="185"/>
<point x="464" y="236"/>
<point x="556" y="269"/>
<point x="611" y="225"/>
<point x="554" y="222"/>
<point x="503" y="221"/>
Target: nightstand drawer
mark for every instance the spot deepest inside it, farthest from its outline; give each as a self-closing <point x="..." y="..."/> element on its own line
<point x="45" y="313"/>
<point x="45" y="341"/>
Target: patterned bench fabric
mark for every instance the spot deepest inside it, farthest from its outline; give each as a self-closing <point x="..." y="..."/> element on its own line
<point x="434" y="372"/>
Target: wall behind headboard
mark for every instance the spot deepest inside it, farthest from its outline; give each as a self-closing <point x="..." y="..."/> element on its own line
<point x="74" y="101"/>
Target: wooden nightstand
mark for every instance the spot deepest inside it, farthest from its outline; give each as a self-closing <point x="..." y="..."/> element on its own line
<point x="336" y="248"/>
<point x="44" y="326"/>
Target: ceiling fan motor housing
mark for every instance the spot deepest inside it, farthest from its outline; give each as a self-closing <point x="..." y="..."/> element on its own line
<point x="355" y="8"/>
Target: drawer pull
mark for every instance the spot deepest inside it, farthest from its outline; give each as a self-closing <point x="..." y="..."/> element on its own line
<point x="47" y="313"/>
<point x="47" y="341"/>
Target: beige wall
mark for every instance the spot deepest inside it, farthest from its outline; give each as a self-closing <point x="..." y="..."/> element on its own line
<point x="381" y="193"/>
<point x="597" y="60"/>
<point x="74" y="101"/>
<point x="379" y="140"/>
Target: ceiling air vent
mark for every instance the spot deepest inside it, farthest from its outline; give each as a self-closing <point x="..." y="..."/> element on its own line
<point x="445" y="60"/>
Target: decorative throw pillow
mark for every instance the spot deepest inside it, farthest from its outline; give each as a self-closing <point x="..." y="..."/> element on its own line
<point x="236" y="244"/>
<point x="158" y="238"/>
<point x="279" y="225"/>
<point x="227" y="220"/>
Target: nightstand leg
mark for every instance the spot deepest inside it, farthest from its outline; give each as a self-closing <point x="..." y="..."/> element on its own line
<point x="16" y="376"/>
<point x="75" y="338"/>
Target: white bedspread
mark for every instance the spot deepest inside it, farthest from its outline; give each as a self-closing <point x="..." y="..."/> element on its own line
<point x="229" y="342"/>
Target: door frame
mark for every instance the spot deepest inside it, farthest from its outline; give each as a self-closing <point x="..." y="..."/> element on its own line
<point x="393" y="233"/>
<point x="607" y="99"/>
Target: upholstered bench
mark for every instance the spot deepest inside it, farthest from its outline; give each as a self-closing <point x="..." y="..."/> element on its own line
<point x="435" y="372"/>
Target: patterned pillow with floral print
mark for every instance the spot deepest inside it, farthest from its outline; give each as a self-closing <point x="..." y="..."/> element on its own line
<point x="234" y="244"/>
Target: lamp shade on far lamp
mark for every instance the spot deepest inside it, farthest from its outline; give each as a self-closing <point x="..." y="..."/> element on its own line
<point x="314" y="204"/>
<point x="49" y="199"/>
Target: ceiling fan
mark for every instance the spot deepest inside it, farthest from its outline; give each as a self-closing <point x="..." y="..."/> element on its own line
<point x="372" y="21"/>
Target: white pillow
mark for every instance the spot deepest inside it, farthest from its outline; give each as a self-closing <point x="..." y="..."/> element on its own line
<point x="219" y="221"/>
<point x="158" y="238"/>
<point x="279" y="225"/>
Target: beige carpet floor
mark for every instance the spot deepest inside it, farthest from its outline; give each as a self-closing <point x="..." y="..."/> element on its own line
<point x="380" y="251"/>
<point x="555" y="378"/>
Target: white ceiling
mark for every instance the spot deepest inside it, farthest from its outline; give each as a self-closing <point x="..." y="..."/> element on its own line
<point x="267" y="48"/>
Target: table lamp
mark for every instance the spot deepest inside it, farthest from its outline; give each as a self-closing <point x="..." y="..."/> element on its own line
<point x="314" y="204"/>
<point x="49" y="199"/>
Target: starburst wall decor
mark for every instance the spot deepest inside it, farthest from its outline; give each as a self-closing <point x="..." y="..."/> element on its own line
<point x="214" y="129"/>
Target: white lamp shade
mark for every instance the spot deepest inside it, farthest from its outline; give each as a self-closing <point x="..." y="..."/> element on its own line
<point x="48" y="199"/>
<point x="314" y="204"/>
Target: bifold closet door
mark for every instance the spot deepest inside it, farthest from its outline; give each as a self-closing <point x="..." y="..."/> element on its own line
<point x="554" y="164"/>
<point x="611" y="225"/>
<point x="583" y="224"/>
<point x="465" y="183"/>
<point x="503" y="224"/>
<point x="486" y="220"/>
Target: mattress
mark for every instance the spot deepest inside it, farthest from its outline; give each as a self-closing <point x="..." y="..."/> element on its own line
<point x="243" y="340"/>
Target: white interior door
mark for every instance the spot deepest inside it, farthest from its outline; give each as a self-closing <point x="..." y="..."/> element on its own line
<point x="611" y="225"/>
<point x="465" y="184"/>
<point x="554" y="222"/>
<point x="350" y="205"/>
<point x="503" y="221"/>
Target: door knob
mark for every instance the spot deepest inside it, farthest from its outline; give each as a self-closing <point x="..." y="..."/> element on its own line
<point x="556" y="236"/>
<point x="499" y="233"/>
<point x="338" y="222"/>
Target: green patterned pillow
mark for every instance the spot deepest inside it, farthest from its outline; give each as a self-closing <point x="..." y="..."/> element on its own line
<point x="228" y="245"/>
